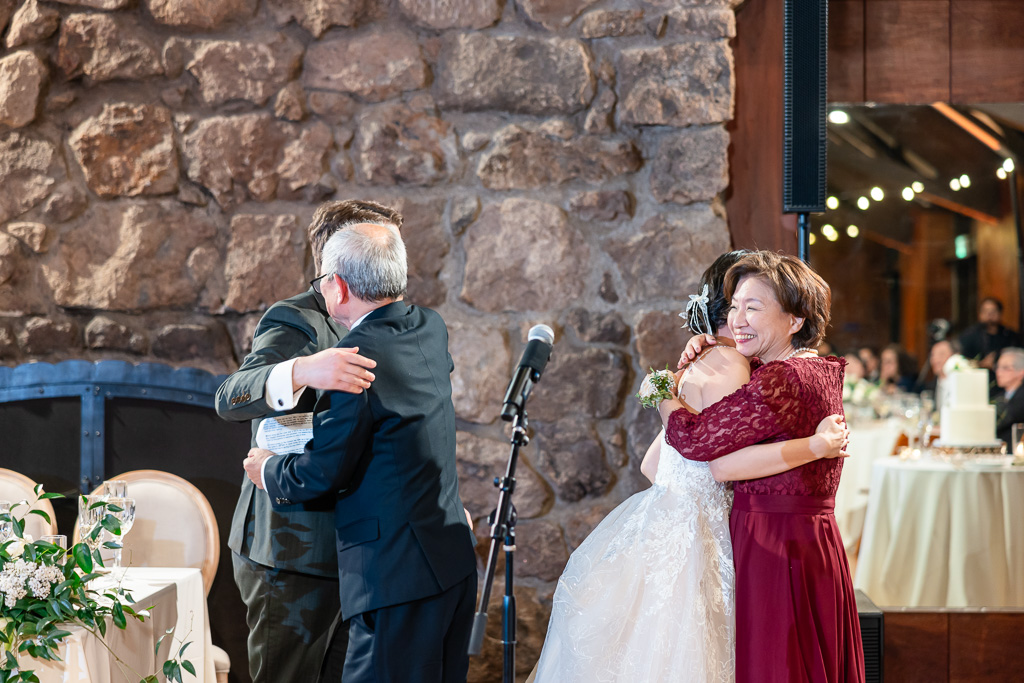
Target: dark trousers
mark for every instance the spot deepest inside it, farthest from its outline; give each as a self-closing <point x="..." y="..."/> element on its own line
<point x="423" y="641"/>
<point x="290" y="618"/>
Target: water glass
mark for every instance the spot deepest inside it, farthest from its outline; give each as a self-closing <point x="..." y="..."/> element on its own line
<point x="91" y="511"/>
<point x="59" y="540"/>
<point x="123" y="509"/>
<point x="6" y="527"/>
<point x="115" y="488"/>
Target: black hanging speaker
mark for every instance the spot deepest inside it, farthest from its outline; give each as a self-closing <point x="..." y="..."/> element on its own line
<point x="805" y="50"/>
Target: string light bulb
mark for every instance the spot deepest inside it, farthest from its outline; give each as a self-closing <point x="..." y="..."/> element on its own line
<point x="863" y="203"/>
<point x="907" y="194"/>
<point x="852" y="230"/>
<point x="811" y="239"/>
<point x="832" y="203"/>
<point x="965" y="180"/>
<point x="1000" y="173"/>
<point x="917" y="186"/>
<point x="1008" y="165"/>
<point x="877" y="194"/>
<point x="954" y="184"/>
<point x="838" y="116"/>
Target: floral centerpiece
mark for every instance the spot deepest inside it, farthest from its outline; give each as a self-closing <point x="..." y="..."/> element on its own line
<point x="44" y="588"/>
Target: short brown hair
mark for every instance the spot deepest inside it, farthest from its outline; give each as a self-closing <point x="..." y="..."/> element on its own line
<point x="800" y="290"/>
<point x="334" y="216"/>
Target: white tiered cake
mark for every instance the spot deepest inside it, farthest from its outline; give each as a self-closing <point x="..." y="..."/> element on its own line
<point x="967" y="419"/>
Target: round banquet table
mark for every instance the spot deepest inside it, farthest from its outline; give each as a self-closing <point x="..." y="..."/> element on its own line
<point x="936" y="535"/>
<point x="869" y="441"/>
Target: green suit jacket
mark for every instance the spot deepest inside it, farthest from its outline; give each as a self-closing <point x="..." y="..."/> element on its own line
<point x="297" y="537"/>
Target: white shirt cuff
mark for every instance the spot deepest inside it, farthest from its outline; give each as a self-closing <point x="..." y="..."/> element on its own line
<point x="278" y="388"/>
<point x="263" y="470"/>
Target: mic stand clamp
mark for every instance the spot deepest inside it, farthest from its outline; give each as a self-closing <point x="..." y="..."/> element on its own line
<point x="503" y="538"/>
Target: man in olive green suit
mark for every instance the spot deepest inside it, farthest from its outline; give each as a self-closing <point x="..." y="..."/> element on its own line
<point x="285" y="560"/>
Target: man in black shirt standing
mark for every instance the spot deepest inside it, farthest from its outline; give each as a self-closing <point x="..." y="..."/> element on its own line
<point x="984" y="341"/>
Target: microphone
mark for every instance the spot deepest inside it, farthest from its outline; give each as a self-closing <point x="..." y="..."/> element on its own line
<point x="531" y="365"/>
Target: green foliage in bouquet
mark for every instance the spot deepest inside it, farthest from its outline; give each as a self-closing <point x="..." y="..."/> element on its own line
<point x="656" y="387"/>
<point x="44" y="588"/>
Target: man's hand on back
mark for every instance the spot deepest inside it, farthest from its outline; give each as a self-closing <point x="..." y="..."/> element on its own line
<point x="335" y="369"/>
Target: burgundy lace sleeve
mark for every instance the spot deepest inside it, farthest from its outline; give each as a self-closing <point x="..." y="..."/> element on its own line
<point x="759" y="410"/>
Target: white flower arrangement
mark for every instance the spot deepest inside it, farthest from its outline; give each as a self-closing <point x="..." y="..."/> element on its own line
<point x="956" y="363"/>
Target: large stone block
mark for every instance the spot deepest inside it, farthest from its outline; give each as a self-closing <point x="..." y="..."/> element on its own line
<point x="523" y="255"/>
<point x="42" y="336"/>
<point x="105" y="333"/>
<point x="481" y="373"/>
<point x="569" y="453"/>
<point x="129" y="257"/>
<point x="236" y="157"/>
<point x="199" y="14"/>
<point x="708" y="23"/>
<point x="251" y="70"/>
<point x="31" y="23"/>
<point x="676" y="85"/>
<point x="127" y="150"/>
<point x="590" y="382"/>
<point x="690" y="165"/>
<point x="540" y="550"/>
<point x="603" y="205"/>
<point x="523" y="159"/>
<point x="376" y="66"/>
<point x="304" y="163"/>
<point x="401" y="145"/>
<point x="181" y="342"/>
<point x="532" y="615"/>
<point x="316" y="16"/>
<point x="660" y="338"/>
<point x="10" y="257"/>
<point x="666" y="255"/>
<point x="553" y="14"/>
<point x="264" y="261"/>
<point x="105" y="47"/>
<point x="22" y="77"/>
<point x="445" y="14"/>
<point x="522" y="75"/>
<point x="28" y="166"/>
<point x="612" y="23"/>
<point x="427" y="246"/>
<point x="480" y="460"/>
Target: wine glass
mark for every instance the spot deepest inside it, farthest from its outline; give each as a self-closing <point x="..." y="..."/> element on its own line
<point x="91" y="511"/>
<point x="6" y="526"/>
<point x="60" y="541"/>
<point x="115" y="488"/>
<point x="123" y="510"/>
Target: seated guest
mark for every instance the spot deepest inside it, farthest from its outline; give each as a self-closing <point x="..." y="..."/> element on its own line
<point x="935" y="377"/>
<point x="869" y="357"/>
<point x="983" y="342"/>
<point x="896" y="370"/>
<point x="1009" y="377"/>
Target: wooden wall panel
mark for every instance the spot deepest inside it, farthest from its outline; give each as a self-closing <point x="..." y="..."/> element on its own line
<point x="996" y="246"/>
<point x="987" y="647"/>
<point x="906" y="51"/>
<point x="846" y="51"/>
<point x="754" y="199"/>
<point x="987" y="38"/>
<point x="925" y="280"/>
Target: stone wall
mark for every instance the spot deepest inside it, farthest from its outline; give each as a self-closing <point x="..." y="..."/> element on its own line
<point x="557" y="161"/>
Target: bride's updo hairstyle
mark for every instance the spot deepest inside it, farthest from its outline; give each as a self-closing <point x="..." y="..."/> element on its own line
<point x="800" y="291"/>
<point x="718" y="304"/>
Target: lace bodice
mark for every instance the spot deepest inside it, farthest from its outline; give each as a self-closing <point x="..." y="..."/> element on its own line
<point x="783" y="400"/>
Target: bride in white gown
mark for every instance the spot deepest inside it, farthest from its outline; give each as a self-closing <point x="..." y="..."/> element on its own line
<point x="648" y="596"/>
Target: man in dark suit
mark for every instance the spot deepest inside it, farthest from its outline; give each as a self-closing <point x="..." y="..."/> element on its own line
<point x="405" y="550"/>
<point x="1010" y="377"/>
<point x="984" y="341"/>
<point x="284" y="561"/>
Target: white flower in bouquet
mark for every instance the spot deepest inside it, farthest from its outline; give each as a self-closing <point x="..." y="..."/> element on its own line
<point x="956" y="363"/>
<point x="657" y="386"/>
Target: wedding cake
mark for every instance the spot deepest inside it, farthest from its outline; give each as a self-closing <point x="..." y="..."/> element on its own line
<point x="966" y="418"/>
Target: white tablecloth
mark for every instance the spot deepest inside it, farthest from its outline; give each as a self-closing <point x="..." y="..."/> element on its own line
<point x="177" y="599"/>
<point x="869" y="441"/>
<point x="938" y="536"/>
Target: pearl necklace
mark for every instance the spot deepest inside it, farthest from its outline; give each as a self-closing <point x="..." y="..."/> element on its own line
<point x="802" y="349"/>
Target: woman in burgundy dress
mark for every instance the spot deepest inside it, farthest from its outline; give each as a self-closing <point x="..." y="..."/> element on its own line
<point x="796" y="614"/>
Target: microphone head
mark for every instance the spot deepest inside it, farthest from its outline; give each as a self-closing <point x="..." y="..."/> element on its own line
<point x="542" y="333"/>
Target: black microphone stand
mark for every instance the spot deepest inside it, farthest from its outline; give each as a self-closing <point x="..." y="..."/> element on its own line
<point x="503" y="529"/>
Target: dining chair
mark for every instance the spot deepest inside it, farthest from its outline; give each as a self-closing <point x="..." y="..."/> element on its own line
<point x="15" y="487"/>
<point x="174" y="527"/>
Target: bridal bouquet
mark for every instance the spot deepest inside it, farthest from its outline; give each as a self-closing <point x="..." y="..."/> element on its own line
<point x="657" y="386"/>
<point x="44" y="586"/>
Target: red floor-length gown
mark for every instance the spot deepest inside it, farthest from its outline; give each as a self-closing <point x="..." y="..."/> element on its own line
<point x="796" y="614"/>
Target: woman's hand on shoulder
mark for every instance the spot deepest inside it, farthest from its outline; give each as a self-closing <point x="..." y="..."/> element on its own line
<point x="697" y="343"/>
<point x="831" y="438"/>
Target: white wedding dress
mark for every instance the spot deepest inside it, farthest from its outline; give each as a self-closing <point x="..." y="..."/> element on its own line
<point x="649" y="596"/>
